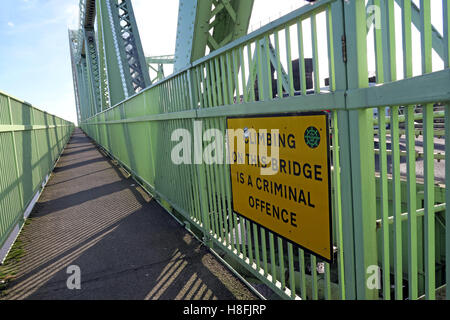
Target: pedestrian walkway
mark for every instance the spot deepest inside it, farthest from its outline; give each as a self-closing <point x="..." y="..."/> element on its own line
<point x="126" y="246"/>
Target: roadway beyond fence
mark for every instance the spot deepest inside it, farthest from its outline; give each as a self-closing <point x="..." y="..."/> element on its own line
<point x="126" y="246"/>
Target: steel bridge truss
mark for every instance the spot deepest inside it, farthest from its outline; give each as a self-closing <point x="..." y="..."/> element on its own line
<point x="209" y="24"/>
<point x="157" y="63"/>
<point x="107" y="55"/>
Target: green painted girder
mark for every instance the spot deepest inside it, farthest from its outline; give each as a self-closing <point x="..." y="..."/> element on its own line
<point x="209" y="24"/>
<point x="116" y="66"/>
<point x="167" y="59"/>
<point x="79" y="37"/>
<point x="131" y="45"/>
<point x="127" y="71"/>
<point x="157" y="63"/>
<point x="438" y="40"/>
<point x="80" y="78"/>
<point x="89" y="14"/>
<point x="87" y="22"/>
<point x="86" y="66"/>
<point x="104" y="83"/>
<point x="93" y="68"/>
<point x="87" y="108"/>
<point x="75" y="72"/>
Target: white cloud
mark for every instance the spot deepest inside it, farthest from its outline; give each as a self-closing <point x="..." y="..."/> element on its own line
<point x="11" y="24"/>
<point x="72" y="13"/>
<point x="265" y="11"/>
<point x="158" y="34"/>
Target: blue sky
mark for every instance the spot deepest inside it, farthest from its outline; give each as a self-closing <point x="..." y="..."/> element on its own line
<point x="34" y="52"/>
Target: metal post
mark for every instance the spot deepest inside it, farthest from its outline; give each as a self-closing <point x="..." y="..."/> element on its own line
<point x="362" y="159"/>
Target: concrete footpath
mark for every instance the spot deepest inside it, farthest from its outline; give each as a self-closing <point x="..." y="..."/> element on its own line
<point x="92" y="217"/>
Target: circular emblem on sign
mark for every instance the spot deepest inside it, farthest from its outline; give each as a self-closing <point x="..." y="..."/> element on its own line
<point x="312" y="137"/>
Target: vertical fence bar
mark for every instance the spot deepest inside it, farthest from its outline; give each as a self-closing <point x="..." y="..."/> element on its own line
<point x="301" y="57"/>
<point x="362" y="157"/>
<point x="267" y="69"/>
<point x="236" y="74"/>
<point x="242" y="222"/>
<point x="230" y="78"/>
<point x="301" y="262"/>
<point x="251" y="74"/>
<point x="428" y="140"/>
<point x="213" y="206"/>
<point x="198" y="79"/>
<point x="255" y="240"/>
<point x="236" y="234"/>
<point x="391" y="44"/>
<point x="259" y="69"/>
<point x="243" y="74"/>
<point x="410" y="157"/>
<point x="384" y="197"/>
<point x="278" y="66"/>
<point x="229" y="206"/>
<point x="289" y="61"/>
<point x="264" y="250"/>
<point x="339" y="11"/>
<point x="291" y="269"/>
<point x="208" y="87"/>
<point x="385" y="41"/>
<point x="378" y="43"/>
<point x="225" y="177"/>
<point x="446" y="11"/>
<point x="314" y="287"/>
<point x="272" y="258"/>
<point x="396" y="199"/>
<point x="338" y="207"/>
<point x="226" y="100"/>
<point x="202" y="192"/>
<point x="315" y="53"/>
<point x="331" y="53"/>
<point x="218" y="183"/>
<point x="213" y="82"/>
<point x="281" y="260"/>
<point x="219" y="82"/>
<point x="327" y="280"/>
<point x="249" y="242"/>
<point x="389" y="47"/>
<point x="16" y="160"/>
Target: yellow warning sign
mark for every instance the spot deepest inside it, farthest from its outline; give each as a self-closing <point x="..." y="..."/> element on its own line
<point x="280" y="176"/>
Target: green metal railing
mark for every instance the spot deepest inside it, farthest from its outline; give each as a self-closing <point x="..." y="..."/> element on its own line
<point x="378" y="217"/>
<point x="31" y="141"/>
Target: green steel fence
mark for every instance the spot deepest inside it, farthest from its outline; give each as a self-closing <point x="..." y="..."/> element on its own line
<point x="388" y="210"/>
<point x="31" y="141"/>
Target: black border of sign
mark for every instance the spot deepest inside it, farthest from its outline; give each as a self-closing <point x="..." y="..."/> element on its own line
<point x="291" y="114"/>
